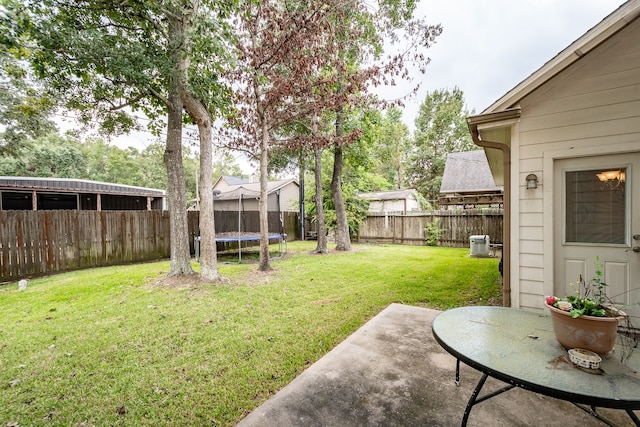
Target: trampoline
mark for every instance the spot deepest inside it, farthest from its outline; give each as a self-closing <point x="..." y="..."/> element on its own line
<point x="229" y="239"/>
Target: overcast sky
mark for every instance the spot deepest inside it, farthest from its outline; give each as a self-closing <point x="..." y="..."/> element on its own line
<point x="489" y="46"/>
<point x="486" y="48"/>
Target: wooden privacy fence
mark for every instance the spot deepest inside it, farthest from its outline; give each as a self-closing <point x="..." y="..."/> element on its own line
<point x="409" y="229"/>
<point x="34" y="243"/>
<point x="41" y="242"/>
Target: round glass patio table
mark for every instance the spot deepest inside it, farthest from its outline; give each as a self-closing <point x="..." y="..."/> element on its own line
<point x="519" y="348"/>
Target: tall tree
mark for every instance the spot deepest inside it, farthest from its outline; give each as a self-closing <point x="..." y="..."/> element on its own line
<point x="201" y="99"/>
<point x="441" y="129"/>
<point x="47" y="156"/>
<point x="343" y="239"/>
<point x="25" y="109"/>
<point x="284" y="47"/>
<point x="358" y="175"/>
<point x="391" y="21"/>
<point x="392" y="148"/>
<point x="137" y="54"/>
<point x="299" y="59"/>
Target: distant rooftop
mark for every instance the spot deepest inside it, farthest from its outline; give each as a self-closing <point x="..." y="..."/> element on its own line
<point x="250" y="190"/>
<point x="234" y="180"/>
<point x="17" y="183"/>
<point x="468" y="172"/>
<point x="389" y="195"/>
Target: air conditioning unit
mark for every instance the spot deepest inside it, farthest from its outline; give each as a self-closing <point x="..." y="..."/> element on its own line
<point x="479" y="246"/>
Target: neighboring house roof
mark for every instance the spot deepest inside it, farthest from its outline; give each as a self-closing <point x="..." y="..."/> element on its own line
<point x="390" y="195"/>
<point x="468" y="172"/>
<point x="251" y="190"/>
<point x="231" y="180"/>
<point x="17" y="183"/>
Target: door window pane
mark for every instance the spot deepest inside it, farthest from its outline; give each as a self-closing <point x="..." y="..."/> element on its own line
<point x="595" y="206"/>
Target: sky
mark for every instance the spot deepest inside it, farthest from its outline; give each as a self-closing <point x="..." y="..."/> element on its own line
<point x="487" y="47"/>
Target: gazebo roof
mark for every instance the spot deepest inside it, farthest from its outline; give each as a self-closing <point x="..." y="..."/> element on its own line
<point x="468" y="172"/>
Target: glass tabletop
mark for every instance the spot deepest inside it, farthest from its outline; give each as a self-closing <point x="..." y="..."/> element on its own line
<point x="519" y="347"/>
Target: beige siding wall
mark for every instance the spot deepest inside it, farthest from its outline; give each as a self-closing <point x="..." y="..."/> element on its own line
<point x="248" y="205"/>
<point x="381" y="206"/>
<point x="289" y="196"/>
<point x="234" y="205"/>
<point x="592" y="108"/>
<point x="288" y="201"/>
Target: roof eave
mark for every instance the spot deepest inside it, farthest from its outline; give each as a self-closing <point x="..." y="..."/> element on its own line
<point x="606" y="28"/>
<point x="506" y="115"/>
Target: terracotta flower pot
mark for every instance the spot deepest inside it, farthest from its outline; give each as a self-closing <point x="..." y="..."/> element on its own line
<point x="597" y="334"/>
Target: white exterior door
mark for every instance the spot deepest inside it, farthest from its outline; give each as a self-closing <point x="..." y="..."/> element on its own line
<point x="597" y="214"/>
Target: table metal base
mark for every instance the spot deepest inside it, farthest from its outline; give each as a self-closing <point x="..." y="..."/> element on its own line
<point x="474" y="399"/>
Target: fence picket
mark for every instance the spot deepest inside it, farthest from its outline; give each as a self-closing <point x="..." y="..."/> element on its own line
<point x="409" y="229"/>
<point x="34" y="243"/>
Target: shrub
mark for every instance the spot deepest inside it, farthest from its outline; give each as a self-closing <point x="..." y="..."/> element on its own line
<point x="433" y="232"/>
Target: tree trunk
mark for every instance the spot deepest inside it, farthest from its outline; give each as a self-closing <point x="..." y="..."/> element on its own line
<point x="179" y="229"/>
<point x="179" y="24"/>
<point x="301" y="171"/>
<point x="343" y="240"/>
<point x="263" y="204"/>
<point x="321" y="247"/>
<point x="208" y="254"/>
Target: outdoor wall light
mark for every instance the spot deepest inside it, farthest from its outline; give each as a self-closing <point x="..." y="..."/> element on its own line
<point x="611" y="176"/>
<point x="532" y="181"/>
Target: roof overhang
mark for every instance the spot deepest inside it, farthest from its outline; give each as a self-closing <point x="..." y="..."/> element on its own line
<point x="495" y="122"/>
<point x="496" y="128"/>
<point x="70" y="185"/>
<point x="606" y="28"/>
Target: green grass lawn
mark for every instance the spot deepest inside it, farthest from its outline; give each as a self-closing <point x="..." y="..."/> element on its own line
<point x="118" y="346"/>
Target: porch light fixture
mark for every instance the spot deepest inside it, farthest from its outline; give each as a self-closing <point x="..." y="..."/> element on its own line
<point x="612" y="179"/>
<point x="607" y="176"/>
<point x="532" y="181"/>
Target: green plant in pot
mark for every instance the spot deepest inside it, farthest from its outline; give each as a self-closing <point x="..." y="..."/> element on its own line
<point x="586" y="320"/>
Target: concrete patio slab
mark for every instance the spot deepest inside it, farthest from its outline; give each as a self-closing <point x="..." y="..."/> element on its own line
<point x="391" y="372"/>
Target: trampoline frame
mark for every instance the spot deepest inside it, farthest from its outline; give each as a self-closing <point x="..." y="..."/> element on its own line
<point x="248" y="236"/>
<point x="281" y="238"/>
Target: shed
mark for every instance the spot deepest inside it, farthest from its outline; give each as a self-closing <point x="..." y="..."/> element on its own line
<point x="565" y="143"/>
<point x="31" y="193"/>
<point x="392" y="201"/>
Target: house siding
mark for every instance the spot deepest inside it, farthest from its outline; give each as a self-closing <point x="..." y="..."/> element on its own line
<point x="393" y="206"/>
<point x="288" y="201"/>
<point x="289" y="196"/>
<point x="594" y="105"/>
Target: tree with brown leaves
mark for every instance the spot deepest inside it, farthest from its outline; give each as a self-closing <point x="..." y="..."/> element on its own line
<point x="284" y="75"/>
<point x="300" y="60"/>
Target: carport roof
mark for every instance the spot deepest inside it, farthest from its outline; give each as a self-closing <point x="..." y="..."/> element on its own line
<point x="69" y="185"/>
